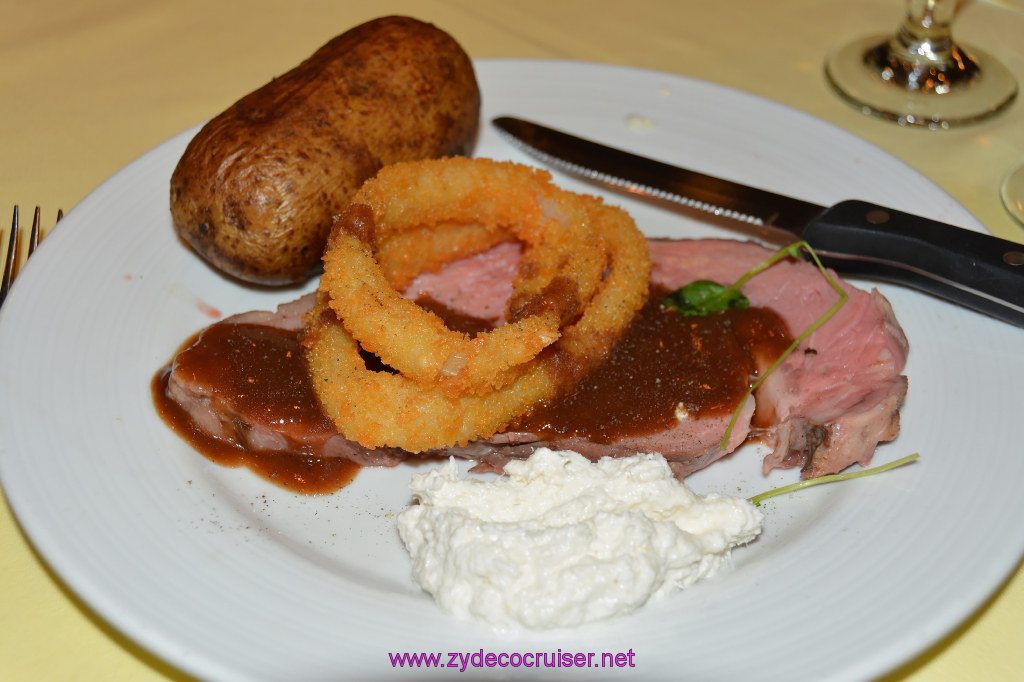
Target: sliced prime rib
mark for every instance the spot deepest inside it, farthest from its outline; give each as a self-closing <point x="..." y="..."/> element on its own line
<point x="838" y="395"/>
<point x="826" y="407"/>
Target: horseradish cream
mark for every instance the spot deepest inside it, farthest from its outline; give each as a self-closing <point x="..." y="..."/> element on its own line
<point x="561" y="541"/>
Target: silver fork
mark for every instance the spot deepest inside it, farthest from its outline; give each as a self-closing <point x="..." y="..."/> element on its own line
<point x="11" y="263"/>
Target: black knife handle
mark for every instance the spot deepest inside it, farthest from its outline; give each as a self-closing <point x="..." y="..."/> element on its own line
<point x="976" y="270"/>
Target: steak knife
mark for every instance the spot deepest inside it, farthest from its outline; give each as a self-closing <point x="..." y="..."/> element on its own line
<point x="978" y="271"/>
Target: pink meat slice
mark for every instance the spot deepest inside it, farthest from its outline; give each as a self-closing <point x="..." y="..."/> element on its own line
<point x="825" y="408"/>
<point x="838" y="395"/>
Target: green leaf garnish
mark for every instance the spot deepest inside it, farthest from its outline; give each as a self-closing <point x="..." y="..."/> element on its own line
<point x="756" y="500"/>
<point x="704" y="297"/>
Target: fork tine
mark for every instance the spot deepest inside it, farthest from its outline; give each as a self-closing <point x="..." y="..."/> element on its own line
<point x="12" y="249"/>
<point x="33" y="239"/>
<point x="14" y="243"/>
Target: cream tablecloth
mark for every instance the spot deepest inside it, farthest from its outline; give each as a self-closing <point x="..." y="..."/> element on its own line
<point x="88" y="85"/>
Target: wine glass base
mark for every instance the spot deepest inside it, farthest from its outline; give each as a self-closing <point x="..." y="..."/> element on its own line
<point x="1011" y="191"/>
<point x="862" y="85"/>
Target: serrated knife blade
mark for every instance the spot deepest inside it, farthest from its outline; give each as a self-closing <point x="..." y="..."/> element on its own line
<point x="979" y="271"/>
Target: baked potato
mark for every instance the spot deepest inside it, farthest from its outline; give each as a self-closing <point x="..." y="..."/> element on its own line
<point x="256" y="189"/>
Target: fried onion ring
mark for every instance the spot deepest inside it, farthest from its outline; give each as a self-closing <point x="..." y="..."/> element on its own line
<point x="496" y="200"/>
<point x="381" y="409"/>
<point x="583" y="275"/>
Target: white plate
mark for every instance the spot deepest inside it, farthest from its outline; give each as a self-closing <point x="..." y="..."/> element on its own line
<point x="231" y="578"/>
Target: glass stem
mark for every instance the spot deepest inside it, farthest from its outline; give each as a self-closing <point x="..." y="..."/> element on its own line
<point x="922" y="57"/>
<point x="926" y="33"/>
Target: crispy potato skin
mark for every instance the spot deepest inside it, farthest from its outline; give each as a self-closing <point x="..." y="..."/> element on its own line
<point x="256" y="189"/>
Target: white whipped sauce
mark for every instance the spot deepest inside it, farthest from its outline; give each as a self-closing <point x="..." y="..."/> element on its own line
<point x="561" y="541"/>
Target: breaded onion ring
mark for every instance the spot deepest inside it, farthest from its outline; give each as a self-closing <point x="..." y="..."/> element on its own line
<point x="381" y="409"/>
<point x="493" y="202"/>
<point x="583" y="275"/>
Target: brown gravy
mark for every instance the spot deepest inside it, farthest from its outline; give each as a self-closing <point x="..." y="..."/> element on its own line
<point x="704" y="364"/>
<point x="664" y="360"/>
<point x="262" y="369"/>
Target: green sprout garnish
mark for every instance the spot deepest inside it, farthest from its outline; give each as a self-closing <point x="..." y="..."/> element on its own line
<point x="699" y="298"/>
<point x="756" y="500"/>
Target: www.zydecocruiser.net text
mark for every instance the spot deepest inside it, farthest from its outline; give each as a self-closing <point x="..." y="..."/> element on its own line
<point x="465" y="660"/>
